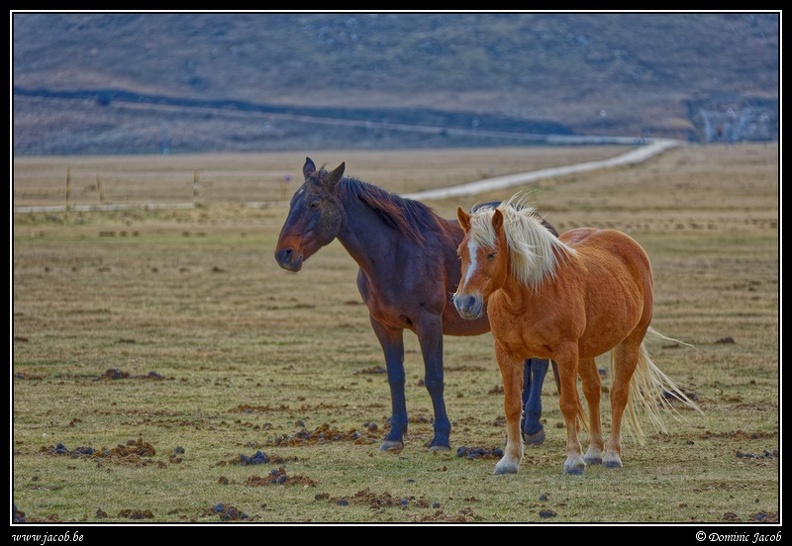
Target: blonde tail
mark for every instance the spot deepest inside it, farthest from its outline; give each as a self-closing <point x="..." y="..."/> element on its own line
<point x="651" y="392"/>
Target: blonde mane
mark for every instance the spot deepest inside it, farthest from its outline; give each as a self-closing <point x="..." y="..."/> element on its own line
<point x="533" y="251"/>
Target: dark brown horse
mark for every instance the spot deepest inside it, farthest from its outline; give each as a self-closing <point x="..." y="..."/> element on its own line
<point x="408" y="272"/>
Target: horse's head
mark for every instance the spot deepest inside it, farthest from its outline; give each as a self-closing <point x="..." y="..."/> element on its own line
<point x="314" y="219"/>
<point x="485" y="260"/>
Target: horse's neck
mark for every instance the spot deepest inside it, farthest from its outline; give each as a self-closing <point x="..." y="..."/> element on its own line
<point x="517" y="297"/>
<point x="512" y="295"/>
<point x="366" y="238"/>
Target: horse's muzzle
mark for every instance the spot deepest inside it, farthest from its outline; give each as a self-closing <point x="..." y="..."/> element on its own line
<point x="469" y="307"/>
<point x="288" y="259"/>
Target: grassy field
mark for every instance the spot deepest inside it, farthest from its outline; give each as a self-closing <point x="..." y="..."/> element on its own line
<point x="156" y="352"/>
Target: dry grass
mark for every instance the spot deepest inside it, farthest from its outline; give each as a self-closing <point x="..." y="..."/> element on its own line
<point x="175" y="329"/>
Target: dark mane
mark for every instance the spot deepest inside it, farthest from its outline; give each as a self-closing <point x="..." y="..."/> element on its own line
<point x="411" y="218"/>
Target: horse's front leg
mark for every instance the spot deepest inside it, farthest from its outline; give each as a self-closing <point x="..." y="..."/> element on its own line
<point x="430" y="336"/>
<point x="392" y="342"/>
<point x="511" y="369"/>
<point x="533" y="432"/>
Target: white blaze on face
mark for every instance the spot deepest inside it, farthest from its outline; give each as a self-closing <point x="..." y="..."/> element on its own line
<point x="472" y="256"/>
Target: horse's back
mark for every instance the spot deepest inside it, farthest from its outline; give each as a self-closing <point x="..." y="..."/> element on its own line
<point x="609" y="244"/>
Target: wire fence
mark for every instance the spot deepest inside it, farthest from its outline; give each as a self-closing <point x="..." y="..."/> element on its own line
<point x="82" y="189"/>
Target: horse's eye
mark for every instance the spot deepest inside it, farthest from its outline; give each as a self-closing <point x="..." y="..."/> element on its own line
<point x="313" y="205"/>
<point x="491" y="256"/>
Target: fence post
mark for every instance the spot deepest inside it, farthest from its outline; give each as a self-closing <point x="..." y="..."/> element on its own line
<point x="195" y="187"/>
<point x="68" y="188"/>
<point x="99" y="189"/>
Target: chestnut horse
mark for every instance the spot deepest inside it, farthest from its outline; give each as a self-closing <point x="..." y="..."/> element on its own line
<point x="408" y="270"/>
<point x="570" y="299"/>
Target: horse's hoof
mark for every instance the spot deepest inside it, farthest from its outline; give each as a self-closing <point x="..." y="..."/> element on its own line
<point x="574" y="465"/>
<point x="391" y="445"/>
<point x="439" y="448"/>
<point x="613" y="462"/>
<point x="612" y="459"/>
<point x="506" y="467"/>
<point x="575" y="470"/>
<point x="534" y="439"/>
<point x="593" y="456"/>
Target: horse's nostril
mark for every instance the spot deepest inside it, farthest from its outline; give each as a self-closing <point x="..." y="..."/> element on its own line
<point x="289" y="259"/>
<point x="464" y="303"/>
<point x="284" y="255"/>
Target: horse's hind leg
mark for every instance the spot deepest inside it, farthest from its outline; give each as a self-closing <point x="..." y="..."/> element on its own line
<point x="533" y="432"/>
<point x="592" y="385"/>
<point x="625" y="357"/>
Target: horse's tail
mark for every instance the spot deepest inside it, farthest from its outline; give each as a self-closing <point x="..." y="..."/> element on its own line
<point x="652" y="391"/>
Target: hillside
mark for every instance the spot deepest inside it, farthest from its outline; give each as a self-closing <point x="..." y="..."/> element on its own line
<point x="91" y="83"/>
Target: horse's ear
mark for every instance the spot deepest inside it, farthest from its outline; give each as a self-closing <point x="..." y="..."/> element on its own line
<point x="464" y="219"/>
<point x="309" y="168"/>
<point x="336" y="174"/>
<point x="497" y="221"/>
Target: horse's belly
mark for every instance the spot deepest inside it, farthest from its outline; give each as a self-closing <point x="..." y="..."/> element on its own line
<point x="596" y="347"/>
<point x="606" y="330"/>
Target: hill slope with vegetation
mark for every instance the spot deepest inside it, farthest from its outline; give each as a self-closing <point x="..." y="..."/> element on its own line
<point x="101" y="83"/>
